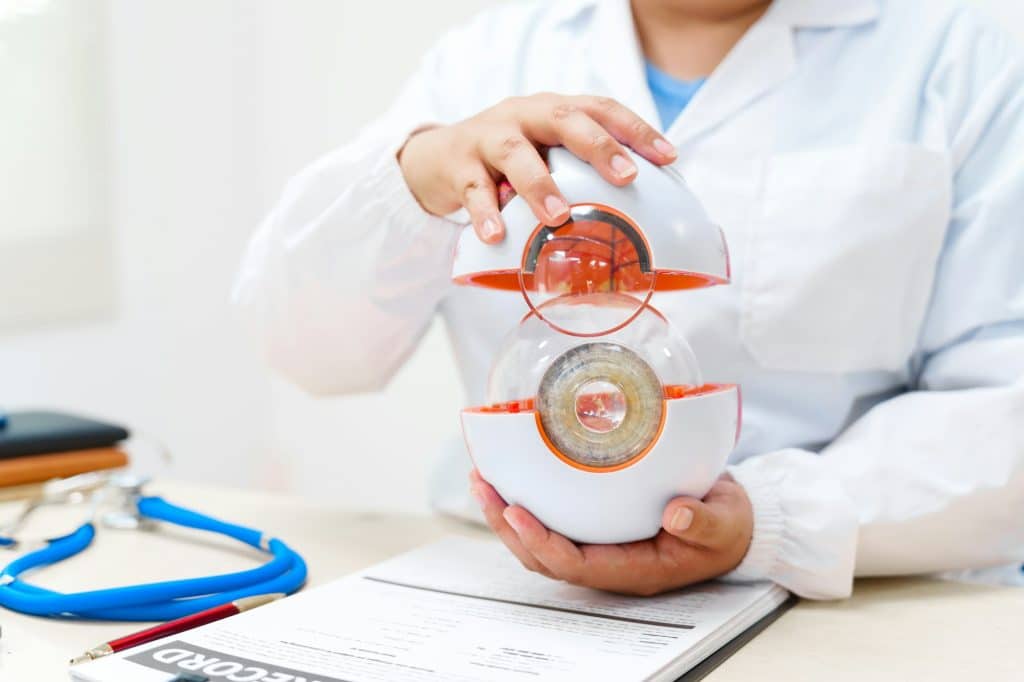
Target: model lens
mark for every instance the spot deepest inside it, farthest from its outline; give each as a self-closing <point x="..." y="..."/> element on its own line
<point x="600" y="406"/>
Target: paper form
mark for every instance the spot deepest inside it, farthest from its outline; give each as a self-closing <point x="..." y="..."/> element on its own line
<point x="457" y="610"/>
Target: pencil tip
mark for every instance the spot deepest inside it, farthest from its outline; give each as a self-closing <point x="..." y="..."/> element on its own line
<point x="246" y="603"/>
<point x="93" y="653"/>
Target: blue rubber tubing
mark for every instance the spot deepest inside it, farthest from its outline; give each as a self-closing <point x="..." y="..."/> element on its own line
<point x="285" y="572"/>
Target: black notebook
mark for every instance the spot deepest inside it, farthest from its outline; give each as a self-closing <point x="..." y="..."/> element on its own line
<point x="38" y="433"/>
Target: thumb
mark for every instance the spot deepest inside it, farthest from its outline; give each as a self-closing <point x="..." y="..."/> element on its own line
<point x="694" y="522"/>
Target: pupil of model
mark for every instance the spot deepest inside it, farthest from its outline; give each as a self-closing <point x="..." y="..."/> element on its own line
<point x="600" y="406"/>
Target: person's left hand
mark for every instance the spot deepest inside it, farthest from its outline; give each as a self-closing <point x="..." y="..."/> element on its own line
<point x="699" y="540"/>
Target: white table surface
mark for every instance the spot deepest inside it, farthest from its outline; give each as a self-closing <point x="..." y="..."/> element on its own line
<point x="895" y="629"/>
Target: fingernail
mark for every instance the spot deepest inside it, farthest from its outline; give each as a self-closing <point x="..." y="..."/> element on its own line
<point x="555" y="206"/>
<point x="681" y="520"/>
<point x="490" y="229"/>
<point x="512" y="520"/>
<point x="622" y="166"/>
<point x="664" y="147"/>
<point x="478" y="494"/>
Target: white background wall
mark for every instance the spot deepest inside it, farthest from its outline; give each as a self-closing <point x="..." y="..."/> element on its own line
<point x="212" y="105"/>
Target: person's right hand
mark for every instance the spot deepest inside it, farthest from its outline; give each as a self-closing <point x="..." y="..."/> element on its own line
<point x="459" y="165"/>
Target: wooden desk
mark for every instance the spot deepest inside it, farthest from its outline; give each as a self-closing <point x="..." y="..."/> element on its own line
<point x="898" y="629"/>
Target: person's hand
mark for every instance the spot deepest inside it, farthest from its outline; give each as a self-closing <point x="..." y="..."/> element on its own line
<point x="459" y="165"/>
<point x="699" y="540"/>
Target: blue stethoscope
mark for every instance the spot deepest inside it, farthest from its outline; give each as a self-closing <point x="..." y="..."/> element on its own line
<point x="160" y="601"/>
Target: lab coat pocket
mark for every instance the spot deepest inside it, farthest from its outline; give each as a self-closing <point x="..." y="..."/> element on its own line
<point x="842" y="257"/>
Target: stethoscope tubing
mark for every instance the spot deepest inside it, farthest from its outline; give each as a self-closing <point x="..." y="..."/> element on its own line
<point x="285" y="572"/>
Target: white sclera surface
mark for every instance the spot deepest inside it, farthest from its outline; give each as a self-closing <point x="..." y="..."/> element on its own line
<point x="614" y="506"/>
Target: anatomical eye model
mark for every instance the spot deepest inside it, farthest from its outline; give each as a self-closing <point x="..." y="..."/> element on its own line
<point x="597" y="413"/>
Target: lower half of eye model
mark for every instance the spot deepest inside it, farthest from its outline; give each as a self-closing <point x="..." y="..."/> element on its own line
<point x="600" y="405"/>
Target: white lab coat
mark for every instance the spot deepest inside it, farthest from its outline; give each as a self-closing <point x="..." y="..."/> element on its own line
<point x="866" y="161"/>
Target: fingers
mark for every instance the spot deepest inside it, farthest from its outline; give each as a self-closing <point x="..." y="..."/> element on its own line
<point x="505" y="140"/>
<point x="603" y="567"/>
<point x="515" y="157"/>
<point x="492" y="505"/>
<point x="558" y="554"/>
<point x="457" y="165"/>
<point x="636" y="568"/>
<point x="479" y="197"/>
<point x="567" y="124"/>
<point x="629" y="128"/>
<point x="696" y="523"/>
<point x="701" y="539"/>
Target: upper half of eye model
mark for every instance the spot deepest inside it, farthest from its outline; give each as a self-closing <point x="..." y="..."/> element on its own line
<point x="651" y="235"/>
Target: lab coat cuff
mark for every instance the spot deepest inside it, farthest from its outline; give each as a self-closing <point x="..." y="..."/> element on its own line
<point x="769" y="524"/>
<point x="805" y="524"/>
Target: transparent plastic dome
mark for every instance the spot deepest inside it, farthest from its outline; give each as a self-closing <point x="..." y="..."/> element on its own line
<point x="530" y="349"/>
<point x="599" y="400"/>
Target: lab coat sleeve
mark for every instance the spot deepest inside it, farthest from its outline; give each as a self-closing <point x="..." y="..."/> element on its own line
<point x="343" y="277"/>
<point x="932" y="480"/>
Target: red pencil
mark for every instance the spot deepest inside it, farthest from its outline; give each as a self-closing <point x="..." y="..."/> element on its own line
<point x="173" y="627"/>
